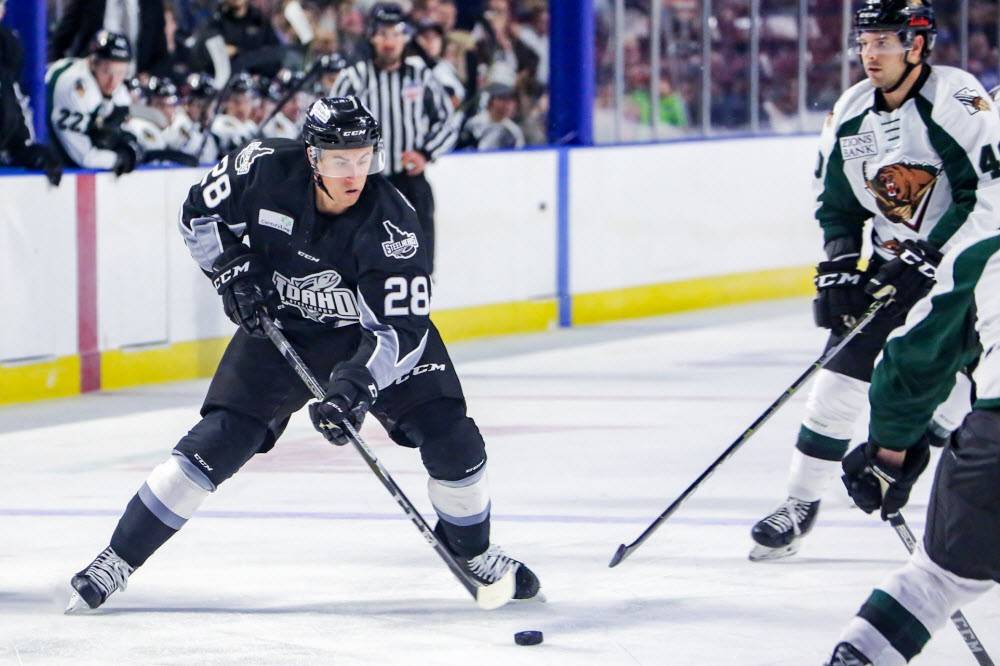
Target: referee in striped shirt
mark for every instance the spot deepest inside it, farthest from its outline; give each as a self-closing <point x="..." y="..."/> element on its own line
<point x="411" y="106"/>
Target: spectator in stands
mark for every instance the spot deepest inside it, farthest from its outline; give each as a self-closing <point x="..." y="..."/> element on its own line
<point x="17" y="141"/>
<point x="250" y="41"/>
<point x="141" y="21"/>
<point x="534" y="34"/>
<point x="176" y="63"/>
<point x="428" y="44"/>
<point x="493" y="128"/>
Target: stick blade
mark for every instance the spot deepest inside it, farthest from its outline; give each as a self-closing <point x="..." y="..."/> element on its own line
<point x="619" y="555"/>
<point x="495" y="595"/>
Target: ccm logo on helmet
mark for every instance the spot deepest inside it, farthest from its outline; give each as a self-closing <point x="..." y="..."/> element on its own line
<point x="228" y="275"/>
<point x="354" y="132"/>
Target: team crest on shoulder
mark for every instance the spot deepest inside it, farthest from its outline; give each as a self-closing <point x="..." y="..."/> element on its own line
<point x="401" y="244"/>
<point x="972" y="101"/>
<point x="249" y="155"/>
<point x="902" y="191"/>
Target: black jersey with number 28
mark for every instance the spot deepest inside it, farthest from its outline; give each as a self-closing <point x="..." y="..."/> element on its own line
<point x="366" y="267"/>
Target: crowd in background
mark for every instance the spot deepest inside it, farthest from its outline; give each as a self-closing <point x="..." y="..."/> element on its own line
<point x="220" y="68"/>
<point x="680" y="72"/>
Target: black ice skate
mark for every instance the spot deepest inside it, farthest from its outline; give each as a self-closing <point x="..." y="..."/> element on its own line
<point x="490" y="566"/>
<point x="846" y="654"/>
<point x="778" y="535"/>
<point x="107" y="574"/>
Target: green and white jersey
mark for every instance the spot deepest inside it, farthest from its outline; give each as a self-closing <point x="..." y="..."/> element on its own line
<point x="75" y="106"/>
<point x="926" y="170"/>
<point x="944" y="332"/>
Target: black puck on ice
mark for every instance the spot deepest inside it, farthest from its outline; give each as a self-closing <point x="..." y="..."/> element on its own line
<point x="528" y="637"/>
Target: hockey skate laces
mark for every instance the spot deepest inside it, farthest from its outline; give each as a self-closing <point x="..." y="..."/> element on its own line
<point x="490" y="565"/>
<point x="109" y="572"/>
<point x="788" y="515"/>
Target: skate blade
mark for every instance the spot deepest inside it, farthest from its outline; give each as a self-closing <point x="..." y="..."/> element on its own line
<point x="765" y="553"/>
<point x="76" y="605"/>
<point x="539" y="598"/>
<point x="495" y="595"/>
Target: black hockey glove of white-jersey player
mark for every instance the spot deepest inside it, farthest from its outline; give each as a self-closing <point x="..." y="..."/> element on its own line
<point x="864" y="476"/>
<point x="349" y="396"/>
<point x="840" y="294"/>
<point x="907" y="278"/>
<point x="243" y="280"/>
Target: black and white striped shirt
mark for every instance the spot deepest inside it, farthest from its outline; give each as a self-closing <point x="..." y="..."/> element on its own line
<point x="409" y="104"/>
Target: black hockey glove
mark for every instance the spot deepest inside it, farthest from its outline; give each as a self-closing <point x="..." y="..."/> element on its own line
<point x="864" y="476"/>
<point x="349" y="396"/>
<point x="840" y="295"/>
<point x="242" y="279"/>
<point x="907" y="278"/>
<point x="129" y="153"/>
<point x="40" y="157"/>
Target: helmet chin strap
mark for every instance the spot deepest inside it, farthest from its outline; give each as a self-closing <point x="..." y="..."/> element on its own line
<point x="906" y="72"/>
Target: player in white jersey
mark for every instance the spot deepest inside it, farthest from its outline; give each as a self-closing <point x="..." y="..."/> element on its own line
<point x="285" y="123"/>
<point x="187" y="132"/>
<point x="233" y="128"/>
<point x="152" y="115"/>
<point x="914" y="149"/>
<point x="88" y="102"/>
<point x="959" y="558"/>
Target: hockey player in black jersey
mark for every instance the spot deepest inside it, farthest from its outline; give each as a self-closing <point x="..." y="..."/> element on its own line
<point x="336" y="257"/>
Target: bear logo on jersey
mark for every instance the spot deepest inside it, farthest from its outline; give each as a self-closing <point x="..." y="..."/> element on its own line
<point x="401" y="244"/>
<point x="972" y="101"/>
<point x="902" y="191"/>
<point x="317" y="296"/>
<point x="249" y="155"/>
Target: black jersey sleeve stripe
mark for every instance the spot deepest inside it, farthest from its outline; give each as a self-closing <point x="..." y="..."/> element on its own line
<point x="389" y="361"/>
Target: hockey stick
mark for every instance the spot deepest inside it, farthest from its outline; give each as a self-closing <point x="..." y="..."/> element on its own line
<point x="958" y="619"/>
<point x="323" y="65"/>
<point x="624" y="551"/>
<point x="488" y="597"/>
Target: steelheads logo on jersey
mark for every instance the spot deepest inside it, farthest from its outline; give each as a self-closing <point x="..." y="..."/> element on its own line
<point x="972" y="101"/>
<point x="401" y="244"/>
<point x="317" y="296"/>
<point x="249" y="155"/>
<point x="902" y="191"/>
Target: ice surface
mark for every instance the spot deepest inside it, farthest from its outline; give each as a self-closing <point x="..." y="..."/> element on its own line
<point x="304" y="558"/>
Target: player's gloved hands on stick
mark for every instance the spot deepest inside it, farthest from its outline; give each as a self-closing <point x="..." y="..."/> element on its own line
<point x="242" y="279"/>
<point x="906" y="279"/>
<point x="865" y="473"/>
<point x="349" y="396"/>
<point x="840" y="295"/>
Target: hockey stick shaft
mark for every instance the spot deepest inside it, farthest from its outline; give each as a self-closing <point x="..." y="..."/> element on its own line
<point x="302" y="370"/>
<point x="958" y="619"/>
<point x="310" y="75"/>
<point x="626" y="550"/>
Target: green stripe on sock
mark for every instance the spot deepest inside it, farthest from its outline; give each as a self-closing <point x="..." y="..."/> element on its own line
<point x="903" y="631"/>
<point x="820" y="446"/>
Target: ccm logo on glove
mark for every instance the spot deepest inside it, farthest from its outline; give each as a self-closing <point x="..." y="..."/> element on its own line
<point x="228" y="275"/>
<point x="827" y="280"/>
